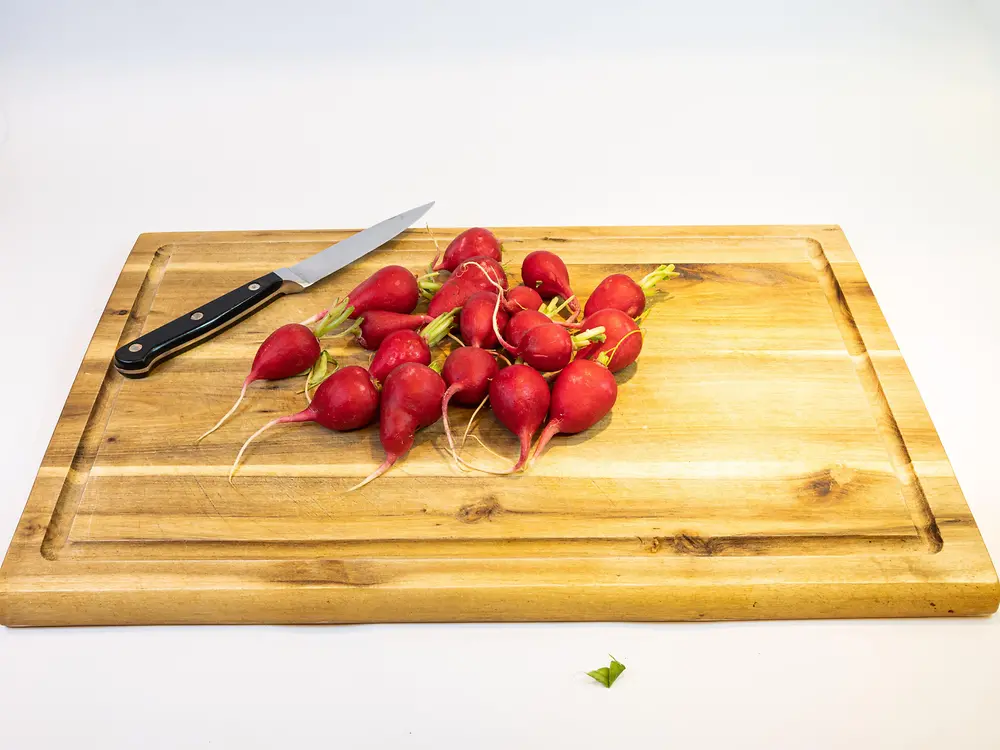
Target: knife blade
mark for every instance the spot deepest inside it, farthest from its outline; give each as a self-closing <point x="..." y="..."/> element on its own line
<point x="137" y="358"/>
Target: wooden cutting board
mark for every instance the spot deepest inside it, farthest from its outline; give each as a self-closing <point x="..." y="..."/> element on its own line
<point x="768" y="457"/>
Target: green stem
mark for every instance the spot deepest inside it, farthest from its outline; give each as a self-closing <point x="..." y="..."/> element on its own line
<point x="438" y="328"/>
<point x="583" y="338"/>
<point x="320" y="371"/>
<point x="337" y="315"/>
<point x="354" y="330"/>
<point x="654" y="277"/>
<point x="553" y="313"/>
<point x="549" y="307"/>
<point x="427" y="284"/>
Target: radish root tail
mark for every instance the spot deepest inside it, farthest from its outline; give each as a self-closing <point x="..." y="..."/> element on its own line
<point x="437" y="247"/>
<point x="452" y="390"/>
<point x="471" y="420"/>
<point x="228" y="414"/>
<point x="315" y="318"/>
<point x="523" y="458"/>
<point x="550" y="431"/>
<point x="463" y="462"/>
<point x="243" y="448"/>
<point x="382" y="469"/>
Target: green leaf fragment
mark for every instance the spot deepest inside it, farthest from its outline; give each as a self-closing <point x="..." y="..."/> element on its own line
<point x="614" y="671"/>
<point x="323" y="368"/>
<point x="602" y="675"/>
<point x="607" y="675"/>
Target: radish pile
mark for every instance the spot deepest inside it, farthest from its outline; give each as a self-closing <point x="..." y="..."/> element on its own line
<point x="506" y="346"/>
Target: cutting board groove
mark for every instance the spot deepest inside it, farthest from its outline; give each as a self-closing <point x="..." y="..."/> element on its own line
<point x="769" y="457"/>
<point x="916" y="501"/>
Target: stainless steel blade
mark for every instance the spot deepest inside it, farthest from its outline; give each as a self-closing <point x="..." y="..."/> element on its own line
<point x="322" y="264"/>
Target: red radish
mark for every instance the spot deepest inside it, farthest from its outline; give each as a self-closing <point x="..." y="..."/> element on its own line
<point x="582" y="394"/>
<point x="391" y="288"/>
<point x="542" y="344"/>
<point x="468" y="372"/>
<point x="373" y="328"/>
<point x="523" y="322"/>
<point x="472" y="243"/>
<point x="289" y="350"/>
<point x="546" y="273"/>
<point x="622" y="339"/>
<point x="475" y="275"/>
<point x="549" y="348"/>
<point x="519" y="397"/>
<point x="621" y="292"/>
<point x="375" y="325"/>
<point x="475" y="322"/>
<point x="398" y="348"/>
<point x="409" y="346"/>
<point x="546" y="348"/>
<point x="521" y="297"/>
<point x="344" y="401"/>
<point x="411" y="400"/>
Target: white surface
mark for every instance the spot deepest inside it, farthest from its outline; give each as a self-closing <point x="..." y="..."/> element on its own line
<point x="119" y="118"/>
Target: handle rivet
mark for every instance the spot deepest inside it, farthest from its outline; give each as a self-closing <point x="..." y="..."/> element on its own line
<point x="197" y="316"/>
<point x="135" y="347"/>
<point x="254" y="287"/>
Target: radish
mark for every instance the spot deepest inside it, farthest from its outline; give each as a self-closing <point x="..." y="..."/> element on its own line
<point x="523" y="322"/>
<point x="472" y="243"/>
<point x="521" y="297"/>
<point x="475" y="322"/>
<point x="391" y="288"/>
<point x="621" y="292"/>
<point x="474" y="275"/>
<point x="346" y="400"/>
<point x="411" y="400"/>
<point x="409" y="346"/>
<point x="546" y="273"/>
<point x="583" y="393"/>
<point x="542" y="344"/>
<point x="375" y="325"/>
<point x="289" y="350"/>
<point x="622" y="339"/>
<point x="550" y="347"/>
<point x="373" y="328"/>
<point x="398" y="348"/>
<point x="519" y="397"/>
<point x="547" y="348"/>
<point x="467" y="372"/>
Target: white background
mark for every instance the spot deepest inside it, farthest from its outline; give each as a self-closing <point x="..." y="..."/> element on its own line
<point x="119" y="117"/>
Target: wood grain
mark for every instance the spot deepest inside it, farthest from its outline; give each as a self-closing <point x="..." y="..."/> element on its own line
<point x="769" y="457"/>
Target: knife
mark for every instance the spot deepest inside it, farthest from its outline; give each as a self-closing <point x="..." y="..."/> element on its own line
<point x="136" y="358"/>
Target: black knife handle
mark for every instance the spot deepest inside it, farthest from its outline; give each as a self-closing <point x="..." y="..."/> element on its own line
<point x="137" y="358"/>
